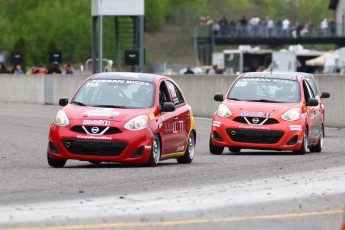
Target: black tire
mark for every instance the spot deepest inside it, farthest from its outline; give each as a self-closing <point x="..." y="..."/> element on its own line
<point x="234" y="149"/>
<point x="155" y="152"/>
<point x="318" y="148"/>
<point x="56" y="163"/>
<point x="216" y="150"/>
<point x="304" y="146"/>
<point x="187" y="158"/>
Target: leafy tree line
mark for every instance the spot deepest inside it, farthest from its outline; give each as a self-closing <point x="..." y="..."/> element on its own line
<point x="34" y="27"/>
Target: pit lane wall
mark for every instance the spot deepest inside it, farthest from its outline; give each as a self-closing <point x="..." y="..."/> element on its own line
<point x="198" y="90"/>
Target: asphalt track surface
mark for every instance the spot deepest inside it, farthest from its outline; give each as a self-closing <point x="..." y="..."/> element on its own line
<point x="249" y="190"/>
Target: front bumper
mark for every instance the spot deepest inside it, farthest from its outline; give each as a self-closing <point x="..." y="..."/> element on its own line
<point x="126" y="146"/>
<point x="281" y="136"/>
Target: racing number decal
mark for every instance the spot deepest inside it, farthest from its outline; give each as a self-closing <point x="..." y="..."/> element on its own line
<point x="178" y="126"/>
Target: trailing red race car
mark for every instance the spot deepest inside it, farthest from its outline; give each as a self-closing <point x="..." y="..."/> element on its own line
<point x="131" y="118"/>
<point x="264" y="110"/>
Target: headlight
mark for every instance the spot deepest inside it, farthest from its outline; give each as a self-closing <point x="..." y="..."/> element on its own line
<point x="137" y="123"/>
<point x="61" y="119"/>
<point x="292" y="115"/>
<point x="223" y="111"/>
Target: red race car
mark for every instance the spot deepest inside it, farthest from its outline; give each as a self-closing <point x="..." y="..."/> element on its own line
<point x="131" y="118"/>
<point x="268" y="111"/>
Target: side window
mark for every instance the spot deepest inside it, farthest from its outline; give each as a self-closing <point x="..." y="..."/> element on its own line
<point x="308" y="92"/>
<point x="163" y="94"/>
<point x="175" y="93"/>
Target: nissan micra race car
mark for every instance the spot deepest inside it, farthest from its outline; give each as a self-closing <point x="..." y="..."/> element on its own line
<point x="268" y="111"/>
<point x="132" y="118"/>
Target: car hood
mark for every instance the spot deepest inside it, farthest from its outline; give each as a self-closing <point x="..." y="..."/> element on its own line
<point x="76" y="112"/>
<point x="259" y="109"/>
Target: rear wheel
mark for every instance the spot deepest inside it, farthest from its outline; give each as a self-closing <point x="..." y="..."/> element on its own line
<point x="234" y="149"/>
<point x="189" y="153"/>
<point x="304" y="146"/>
<point x="155" y="152"/>
<point x="318" y="148"/>
<point x="56" y="163"/>
<point x="217" y="150"/>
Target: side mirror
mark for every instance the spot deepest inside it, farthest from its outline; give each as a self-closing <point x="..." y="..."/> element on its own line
<point x="168" y="107"/>
<point x="312" y="102"/>
<point x="218" y="97"/>
<point x="325" y="95"/>
<point x="63" y="101"/>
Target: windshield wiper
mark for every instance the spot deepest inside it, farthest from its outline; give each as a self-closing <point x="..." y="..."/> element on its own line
<point x="110" y="106"/>
<point x="235" y="99"/>
<point x="78" y="103"/>
<point x="263" y="100"/>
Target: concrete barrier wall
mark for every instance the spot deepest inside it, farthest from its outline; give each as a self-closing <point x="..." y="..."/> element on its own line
<point x="198" y="90"/>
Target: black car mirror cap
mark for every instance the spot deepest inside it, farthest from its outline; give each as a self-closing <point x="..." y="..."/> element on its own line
<point x="325" y="95"/>
<point x="312" y="102"/>
<point x="168" y="107"/>
<point x="63" y="101"/>
<point x="218" y="97"/>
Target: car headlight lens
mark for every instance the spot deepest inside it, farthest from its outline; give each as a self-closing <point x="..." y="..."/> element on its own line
<point x="137" y="123"/>
<point x="292" y="115"/>
<point x="223" y="111"/>
<point x="61" y="119"/>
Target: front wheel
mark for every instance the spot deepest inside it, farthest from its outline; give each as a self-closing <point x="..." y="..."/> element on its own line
<point x="304" y="146"/>
<point x="217" y="150"/>
<point x="56" y="163"/>
<point x="318" y="148"/>
<point x="155" y="152"/>
<point x="187" y="158"/>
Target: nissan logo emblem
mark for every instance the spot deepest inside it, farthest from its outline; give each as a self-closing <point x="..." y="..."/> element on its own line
<point x="94" y="129"/>
<point x="255" y="120"/>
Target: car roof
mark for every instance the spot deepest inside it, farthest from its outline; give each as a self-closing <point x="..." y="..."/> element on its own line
<point x="125" y="75"/>
<point x="279" y="75"/>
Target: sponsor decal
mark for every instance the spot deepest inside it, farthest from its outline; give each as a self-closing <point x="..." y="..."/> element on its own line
<point x="216" y="123"/>
<point x="254" y="127"/>
<point x="295" y="127"/>
<point x="96" y="122"/>
<point x="244" y="114"/>
<point x="93" y="137"/>
<point x="104" y="112"/>
<point x="257" y="114"/>
<point x="179" y="148"/>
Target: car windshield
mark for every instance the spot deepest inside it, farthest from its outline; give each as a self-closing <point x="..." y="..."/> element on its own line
<point x="265" y="90"/>
<point x="115" y="93"/>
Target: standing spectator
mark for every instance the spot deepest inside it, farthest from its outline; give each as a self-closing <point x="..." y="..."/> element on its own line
<point x="54" y="68"/>
<point x="3" y="68"/>
<point x="189" y="71"/>
<point x="279" y="26"/>
<point x="331" y="25"/>
<point x="270" y="27"/>
<point x="324" y="26"/>
<point x="68" y="69"/>
<point x="18" y="70"/>
<point x="254" y="23"/>
<point x="223" y="23"/>
<point x="286" y="27"/>
<point x="40" y="70"/>
<point x="243" y="25"/>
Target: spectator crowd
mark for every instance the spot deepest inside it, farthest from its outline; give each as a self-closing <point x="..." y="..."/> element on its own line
<point x="39" y="70"/>
<point x="267" y="27"/>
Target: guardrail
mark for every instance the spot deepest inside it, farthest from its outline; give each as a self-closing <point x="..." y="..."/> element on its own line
<point x="198" y="90"/>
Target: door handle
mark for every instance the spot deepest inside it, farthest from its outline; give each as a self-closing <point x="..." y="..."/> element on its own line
<point x="175" y="118"/>
<point x="188" y="115"/>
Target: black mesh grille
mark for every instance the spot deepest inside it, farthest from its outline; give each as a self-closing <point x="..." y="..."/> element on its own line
<point x="94" y="148"/>
<point x="111" y="130"/>
<point x="269" y="121"/>
<point x="255" y="136"/>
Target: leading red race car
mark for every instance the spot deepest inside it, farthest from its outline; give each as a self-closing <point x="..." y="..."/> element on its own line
<point x="131" y="118"/>
<point x="275" y="111"/>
